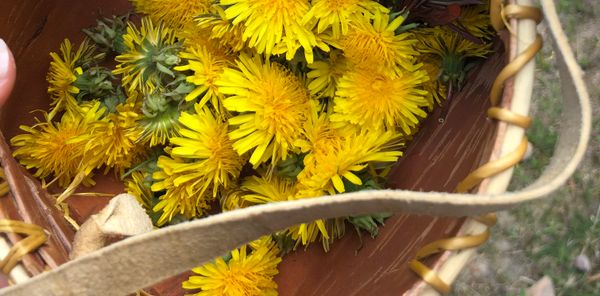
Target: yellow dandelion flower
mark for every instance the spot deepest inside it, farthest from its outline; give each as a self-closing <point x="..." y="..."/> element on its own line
<point x="307" y="233"/>
<point x="175" y="14"/>
<point x="61" y="149"/>
<point x="202" y="158"/>
<point x="272" y="104"/>
<point x="325" y="75"/>
<point x="204" y="140"/>
<point x="179" y="193"/>
<point x="269" y="23"/>
<point x="249" y="274"/>
<point x="442" y="41"/>
<point x="63" y="72"/>
<point x="338" y="14"/>
<point x="376" y="100"/>
<point x="319" y="134"/>
<point x="207" y="68"/>
<point x="327" y="170"/>
<point x="221" y="30"/>
<point x="375" y="44"/>
<point x="262" y="190"/>
<point x="475" y="19"/>
<point x="117" y="137"/>
<point x="436" y="91"/>
<point x="150" y="51"/>
<point x="138" y="185"/>
<point x="232" y="200"/>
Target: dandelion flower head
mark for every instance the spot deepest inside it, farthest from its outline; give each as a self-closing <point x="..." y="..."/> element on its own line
<point x="151" y="49"/>
<point x="175" y="14"/>
<point x="375" y="100"/>
<point x="269" y="23"/>
<point x="245" y="273"/>
<point x="271" y="103"/>
<point x="61" y="149"/>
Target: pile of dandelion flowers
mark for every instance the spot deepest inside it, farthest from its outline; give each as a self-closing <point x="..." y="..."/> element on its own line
<point x="374" y="43"/>
<point x="61" y="149"/>
<point x="63" y="72"/>
<point x="328" y="169"/>
<point x="244" y="274"/>
<point x="337" y="15"/>
<point x="207" y="68"/>
<point x="376" y="100"/>
<point x="272" y="104"/>
<point x="150" y="51"/>
<point x="175" y="14"/>
<point x="270" y="23"/>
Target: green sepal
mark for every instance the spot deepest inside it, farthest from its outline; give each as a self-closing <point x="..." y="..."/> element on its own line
<point x="369" y="223"/>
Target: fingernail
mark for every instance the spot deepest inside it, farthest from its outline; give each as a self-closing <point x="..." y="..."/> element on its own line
<point x="4" y="59"/>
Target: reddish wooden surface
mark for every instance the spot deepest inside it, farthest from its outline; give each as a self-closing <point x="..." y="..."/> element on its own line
<point x="438" y="158"/>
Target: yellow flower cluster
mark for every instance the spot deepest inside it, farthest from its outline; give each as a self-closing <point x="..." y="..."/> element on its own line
<point x="236" y="103"/>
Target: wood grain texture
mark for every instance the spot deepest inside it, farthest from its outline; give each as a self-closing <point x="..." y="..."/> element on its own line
<point x="437" y="159"/>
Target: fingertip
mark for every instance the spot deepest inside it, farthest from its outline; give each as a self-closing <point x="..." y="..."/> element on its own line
<point x="7" y="72"/>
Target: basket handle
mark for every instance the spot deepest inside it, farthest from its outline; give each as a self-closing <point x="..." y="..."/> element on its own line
<point x="143" y="260"/>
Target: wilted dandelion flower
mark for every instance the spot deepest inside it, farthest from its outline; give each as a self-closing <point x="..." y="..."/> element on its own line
<point x="151" y="50"/>
<point x="245" y="273"/>
<point x="375" y="100"/>
<point x="63" y="72"/>
<point x="337" y="15"/>
<point x="175" y="14"/>
<point x="61" y="149"/>
<point x="272" y="104"/>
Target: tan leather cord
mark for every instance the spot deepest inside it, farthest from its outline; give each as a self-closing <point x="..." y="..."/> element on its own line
<point x="36" y="237"/>
<point x="498" y="13"/>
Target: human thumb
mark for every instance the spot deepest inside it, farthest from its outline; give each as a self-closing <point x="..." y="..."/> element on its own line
<point x="7" y="72"/>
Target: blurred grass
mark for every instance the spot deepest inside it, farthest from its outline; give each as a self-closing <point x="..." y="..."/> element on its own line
<point x="543" y="238"/>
